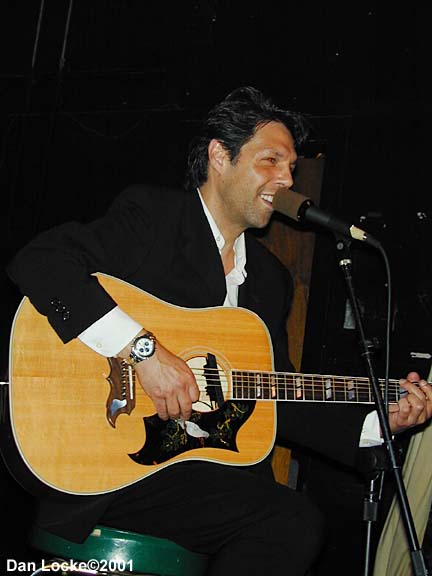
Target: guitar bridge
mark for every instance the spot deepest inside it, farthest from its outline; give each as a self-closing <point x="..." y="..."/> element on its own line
<point x="121" y="399"/>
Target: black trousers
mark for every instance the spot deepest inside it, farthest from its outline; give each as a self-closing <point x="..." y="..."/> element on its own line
<point x="247" y="523"/>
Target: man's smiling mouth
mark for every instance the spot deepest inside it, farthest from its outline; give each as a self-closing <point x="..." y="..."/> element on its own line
<point x="267" y="198"/>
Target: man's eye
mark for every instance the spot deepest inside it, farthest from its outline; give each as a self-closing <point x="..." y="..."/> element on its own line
<point x="271" y="159"/>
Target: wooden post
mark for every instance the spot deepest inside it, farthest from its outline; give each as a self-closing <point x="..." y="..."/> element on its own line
<point x="295" y="250"/>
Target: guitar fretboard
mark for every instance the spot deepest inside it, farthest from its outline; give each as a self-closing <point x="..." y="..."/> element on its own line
<point x="255" y="385"/>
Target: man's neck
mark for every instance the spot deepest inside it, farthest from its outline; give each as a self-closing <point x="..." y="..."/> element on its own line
<point x="229" y="230"/>
<point x="227" y="256"/>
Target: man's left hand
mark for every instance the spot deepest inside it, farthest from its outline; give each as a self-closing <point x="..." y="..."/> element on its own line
<point x="413" y="408"/>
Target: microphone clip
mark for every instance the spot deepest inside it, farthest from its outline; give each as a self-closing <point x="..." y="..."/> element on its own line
<point x="343" y="247"/>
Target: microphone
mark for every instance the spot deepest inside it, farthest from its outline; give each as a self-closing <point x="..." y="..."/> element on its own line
<point x="301" y="208"/>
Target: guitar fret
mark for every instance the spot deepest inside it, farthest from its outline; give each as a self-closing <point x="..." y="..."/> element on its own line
<point x="282" y="388"/>
<point x="309" y="388"/>
<point x="289" y="387"/>
<point x="319" y="391"/>
<point x="274" y="388"/>
<point x="298" y="387"/>
<point x="266" y="389"/>
<point x="337" y="395"/>
<point x="363" y="391"/>
<point x="245" y="385"/>
<point x="328" y="390"/>
<point x="257" y="385"/>
<point x="251" y="386"/>
<point x="265" y="382"/>
<point x="238" y="384"/>
<point x="351" y="392"/>
<point x="234" y="387"/>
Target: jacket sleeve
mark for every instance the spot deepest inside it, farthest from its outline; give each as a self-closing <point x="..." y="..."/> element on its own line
<point x="55" y="269"/>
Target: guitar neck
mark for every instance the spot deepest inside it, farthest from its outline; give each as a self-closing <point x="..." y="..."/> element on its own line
<point x="287" y="386"/>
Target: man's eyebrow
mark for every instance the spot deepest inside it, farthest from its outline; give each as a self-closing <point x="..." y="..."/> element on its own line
<point x="273" y="151"/>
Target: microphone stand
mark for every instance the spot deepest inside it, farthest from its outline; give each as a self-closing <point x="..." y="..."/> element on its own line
<point x="370" y="508"/>
<point x="417" y="559"/>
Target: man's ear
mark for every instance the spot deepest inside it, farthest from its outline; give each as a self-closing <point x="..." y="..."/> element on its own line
<point x="217" y="154"/>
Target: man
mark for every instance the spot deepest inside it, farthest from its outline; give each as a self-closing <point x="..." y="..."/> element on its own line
<point x="191" y="248"/>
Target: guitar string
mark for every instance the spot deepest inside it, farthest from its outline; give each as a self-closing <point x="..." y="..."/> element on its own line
<point x="292" y="396"/>
<point x="218" y="371"/>
<point x="290" y="380"/>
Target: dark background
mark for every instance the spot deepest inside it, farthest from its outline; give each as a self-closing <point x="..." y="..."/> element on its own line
<point x="98" y="95"/>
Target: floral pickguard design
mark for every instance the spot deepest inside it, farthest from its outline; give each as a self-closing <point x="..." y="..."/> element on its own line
<point x="215" y="429"/>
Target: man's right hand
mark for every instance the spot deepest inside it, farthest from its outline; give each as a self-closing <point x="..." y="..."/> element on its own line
<point x="169" y="382"/>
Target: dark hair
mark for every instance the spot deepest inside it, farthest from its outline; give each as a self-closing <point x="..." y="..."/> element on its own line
<point x="233" y="122"/>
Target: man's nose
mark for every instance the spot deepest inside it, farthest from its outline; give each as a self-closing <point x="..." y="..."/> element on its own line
<point x="284" y="176"/>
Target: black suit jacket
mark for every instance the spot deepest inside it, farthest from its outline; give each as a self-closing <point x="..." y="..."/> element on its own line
<point x="159" y="239"/>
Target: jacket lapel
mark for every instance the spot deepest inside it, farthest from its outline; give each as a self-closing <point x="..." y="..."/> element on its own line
<point x="248" y="291"/>
<point x="201" y="252"/>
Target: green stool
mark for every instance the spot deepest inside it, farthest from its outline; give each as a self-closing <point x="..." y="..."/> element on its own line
<point x="118" y="552"/>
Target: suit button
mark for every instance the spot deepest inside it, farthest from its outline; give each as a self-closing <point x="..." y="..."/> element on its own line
<point x="60" y="308"/>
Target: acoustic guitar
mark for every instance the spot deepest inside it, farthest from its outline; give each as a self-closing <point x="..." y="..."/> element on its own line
<point x="83" y="425"/>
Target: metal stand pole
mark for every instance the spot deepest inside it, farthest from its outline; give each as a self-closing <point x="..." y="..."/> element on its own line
<point x="417" y="560"/>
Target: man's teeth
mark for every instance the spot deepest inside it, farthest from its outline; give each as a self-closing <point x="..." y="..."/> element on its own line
<point x="267" y="197"/>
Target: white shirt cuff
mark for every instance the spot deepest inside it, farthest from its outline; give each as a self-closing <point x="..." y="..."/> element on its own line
<point x="371" y="431"/>
<point x="111" y="333"/>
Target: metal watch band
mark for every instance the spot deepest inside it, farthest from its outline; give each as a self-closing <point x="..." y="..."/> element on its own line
<point x="134" y="356"/>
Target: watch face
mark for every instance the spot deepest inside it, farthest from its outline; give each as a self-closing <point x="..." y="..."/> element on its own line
<point x="144" y="347"/>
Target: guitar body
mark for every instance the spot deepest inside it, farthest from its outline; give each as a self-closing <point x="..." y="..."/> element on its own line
<point x="69" y="421"/>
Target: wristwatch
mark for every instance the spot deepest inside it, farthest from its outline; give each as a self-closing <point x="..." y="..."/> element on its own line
<point x="143" y="348"/>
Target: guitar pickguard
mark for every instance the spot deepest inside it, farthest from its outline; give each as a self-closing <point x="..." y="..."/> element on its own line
<point x="215" y="429"/>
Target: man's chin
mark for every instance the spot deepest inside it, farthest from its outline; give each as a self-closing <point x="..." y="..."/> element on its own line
<point x="262" y="223"/>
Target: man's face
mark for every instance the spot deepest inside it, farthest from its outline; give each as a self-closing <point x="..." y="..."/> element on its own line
<point x="265" y="164"/>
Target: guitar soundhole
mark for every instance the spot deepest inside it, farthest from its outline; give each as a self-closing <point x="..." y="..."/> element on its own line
<point x="212" y="382"/>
